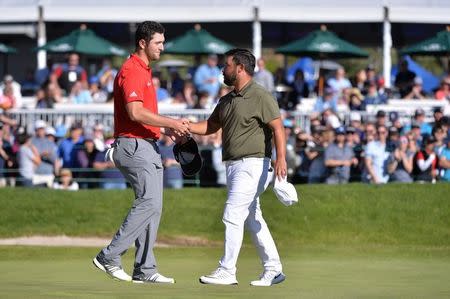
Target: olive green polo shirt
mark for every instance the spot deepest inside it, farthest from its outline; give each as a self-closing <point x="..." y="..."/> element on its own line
<point x="244" y="118"/>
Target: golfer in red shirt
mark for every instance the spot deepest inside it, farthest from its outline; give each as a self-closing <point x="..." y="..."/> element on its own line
<point x="137" y="127"/>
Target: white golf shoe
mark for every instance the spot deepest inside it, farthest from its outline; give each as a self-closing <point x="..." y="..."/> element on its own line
<point x="114" y="271"/>
<point x="219" y="276"/>
<point x="269" y="278"/>
<point x="155" y="278"/>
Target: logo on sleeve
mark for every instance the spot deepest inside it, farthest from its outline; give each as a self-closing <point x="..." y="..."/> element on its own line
<point x="133" y="95"/>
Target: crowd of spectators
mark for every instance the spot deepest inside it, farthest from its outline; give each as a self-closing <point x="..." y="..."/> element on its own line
<point x="331" y="150"/>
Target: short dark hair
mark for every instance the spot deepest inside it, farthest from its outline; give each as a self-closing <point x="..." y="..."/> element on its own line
<point x="244" y="57"/>
<point x="146" y="30"/>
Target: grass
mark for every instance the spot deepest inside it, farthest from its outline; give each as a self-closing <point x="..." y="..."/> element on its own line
<point x="41" y="272"/>
<point x="352" y="241"/>
<point x="349" y="215"/>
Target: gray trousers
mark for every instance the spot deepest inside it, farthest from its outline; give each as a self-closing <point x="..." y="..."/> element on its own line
<point x="140" y="162"/>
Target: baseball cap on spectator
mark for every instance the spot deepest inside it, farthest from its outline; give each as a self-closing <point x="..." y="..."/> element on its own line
<point x="415" y="125"/>
<point x="355" y="116"/>
<point x="393" y="116"/>
<point x="393" y="131"/>
<point x="350" y="130"/>
<point x="437" y="110"/>
<point x="50" y="131"/>
<point x="419" y="112"/>
<point x="93" y="79"/>
<point x="8" y="78"/>
<point x="418" y="80"/>
<point x="333" y="121"/>
<point x="288" y="123"/>
<point x="381" y="113"/>
<point x="339" y="131"/>
<point x="430" y="139"/>
<point x="40" y="124"/>
<point x="76" y="125"/>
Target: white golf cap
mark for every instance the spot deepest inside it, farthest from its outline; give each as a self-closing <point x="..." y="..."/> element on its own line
<point x="50" y="131"/>
<point x="355" y="116"/>
<point x="285" y="192"/>
<point x="40" y="124"/>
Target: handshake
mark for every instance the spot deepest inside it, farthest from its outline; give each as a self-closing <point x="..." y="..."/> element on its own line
<point x="179" y="130"/>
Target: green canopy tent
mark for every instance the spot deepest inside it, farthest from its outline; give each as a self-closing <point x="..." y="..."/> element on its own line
<point x="438" y="45"/>
<point x="196" y="41"/>
<point x="6" y="50"/>
<point x="322" y="44"/>
<point x="83" y="41"/>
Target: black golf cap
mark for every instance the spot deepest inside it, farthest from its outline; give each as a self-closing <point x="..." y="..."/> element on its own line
<point x="188" y="156"/>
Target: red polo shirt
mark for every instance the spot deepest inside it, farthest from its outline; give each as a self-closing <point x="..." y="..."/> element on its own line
<point x="134" y="83"/>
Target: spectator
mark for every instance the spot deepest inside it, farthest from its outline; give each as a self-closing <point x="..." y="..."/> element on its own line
<point x="14" y="90"/>
<point x="353" y="140"/>
<point x="339" y="82"/>
<point x="370" y="133"/>
<point x="48" y="153"/>
<point x="315" y="153"/>
<point x="68" y="147"/>
<point x="106" y="77"/>
<point x="66" y="181"/>
<point x="404" y="80"/>
<point x="98" y="136"/>
<point x="328" y="101"/>
<point x="400" y="163"/>
<point x="67" y="74"/>
<point x="355" y="100"/>
<point x="80" y="94"/>
<point x="263" y="76"/>
<point x="393" y="139"/>
<point x="162" y="95"/>
<point x="371" y="77"/>
<point x="172" y="175"/>
<point x="380" y="118"/>
<point x="207" y="77"/>
<point x="443" y="93"/>
<point x="300" y="90"/>
<point x="338" y="159"/>
<point x="7" y="99"/>
<point x="5" y="157"/>
<point x="85" y="158"/>
<point x="28" y="158"/>
<point x="359" y="80"/>
<point x="416" y="92"/>
<point x="111" y="177"/>
<point x="438" y="114"/>
<point x="419" y="119"/>
<point x="355" y="122"/>
<point x="188" y="96"/>
<point x="426" y="162"/>
<point x="372" y="97"/>
<point x="395" y="121"/>
<point x="98" y="95"/>
<point x="375" y="160"/>
<point x="176" y="82"/>
<point x="444" y="161"/>
<point x="440" y="135"/>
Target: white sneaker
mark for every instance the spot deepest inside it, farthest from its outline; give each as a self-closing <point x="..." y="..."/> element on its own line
<point x="155" y="278"/>
<point x="114" y="271"/>
<point x="269" y="278"/>
<point x="219" y="276"/>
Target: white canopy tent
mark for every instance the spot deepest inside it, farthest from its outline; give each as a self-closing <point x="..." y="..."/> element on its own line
<point x="256" y="11"/>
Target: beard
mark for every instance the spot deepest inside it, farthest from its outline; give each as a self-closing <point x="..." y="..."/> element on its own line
<point x="229" y="79"/>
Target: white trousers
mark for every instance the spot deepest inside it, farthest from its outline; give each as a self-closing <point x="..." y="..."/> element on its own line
<point x="246" y="180"/>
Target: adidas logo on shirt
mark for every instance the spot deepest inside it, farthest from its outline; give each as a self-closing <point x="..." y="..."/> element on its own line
<point x="133" y="95"/>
